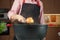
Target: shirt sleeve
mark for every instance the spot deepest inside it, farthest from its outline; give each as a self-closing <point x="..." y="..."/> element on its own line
<point x="15" y="8"/>
<point x="42" y="20"/>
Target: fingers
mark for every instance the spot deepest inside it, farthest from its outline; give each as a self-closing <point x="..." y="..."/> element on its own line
<point x="22" y="19"/>
<point x="13" y="18"/>
<point x="18" y="18"/>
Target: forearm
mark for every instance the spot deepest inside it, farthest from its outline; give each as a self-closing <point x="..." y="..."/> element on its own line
<point x="10" y="13"/>
<point x="14" y="9"/>
<point x="42" y="20"/>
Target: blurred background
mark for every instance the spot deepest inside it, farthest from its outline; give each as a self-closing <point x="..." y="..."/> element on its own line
<point x="51" y="13"/>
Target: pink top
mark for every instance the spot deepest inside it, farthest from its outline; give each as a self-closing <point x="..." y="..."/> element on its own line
<point x="17" y="6"/>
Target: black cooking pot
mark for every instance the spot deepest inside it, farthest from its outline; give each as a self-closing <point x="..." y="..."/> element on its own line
<point x="30" y="31"/>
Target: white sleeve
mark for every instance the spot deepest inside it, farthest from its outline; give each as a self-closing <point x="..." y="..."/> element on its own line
<point x="15" y="8"/>
<point x="42" y="20"/>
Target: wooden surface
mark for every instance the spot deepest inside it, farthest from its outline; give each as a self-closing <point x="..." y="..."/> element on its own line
<point x="51" y="6"/>
<point x="52" y="33"/>
<point x="8" y="37"/>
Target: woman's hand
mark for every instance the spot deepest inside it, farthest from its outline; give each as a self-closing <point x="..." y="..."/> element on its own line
<point x="13" y="18"/>
<point x="18" y="18"/>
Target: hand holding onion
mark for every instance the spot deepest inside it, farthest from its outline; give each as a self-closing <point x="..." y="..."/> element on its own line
<point x="22" y="19"/>
<point x="18" y="18"/>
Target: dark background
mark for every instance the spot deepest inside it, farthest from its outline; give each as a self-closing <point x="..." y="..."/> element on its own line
<point x="50" y="6"/>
